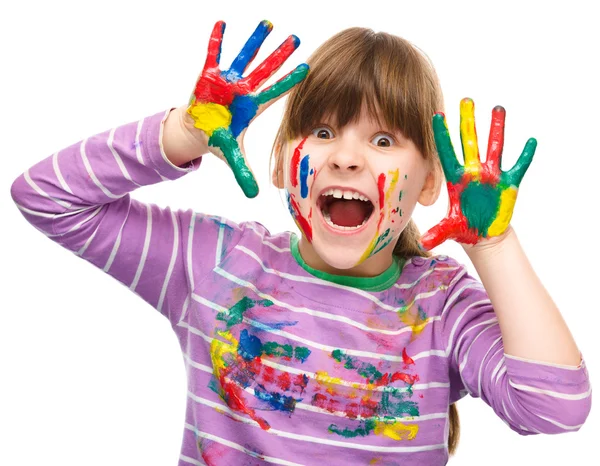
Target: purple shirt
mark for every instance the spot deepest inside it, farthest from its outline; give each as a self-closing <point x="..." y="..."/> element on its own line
<point x="288" y="365"/>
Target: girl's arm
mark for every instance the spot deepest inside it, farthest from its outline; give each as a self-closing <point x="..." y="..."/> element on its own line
<point x="531" y="324"/>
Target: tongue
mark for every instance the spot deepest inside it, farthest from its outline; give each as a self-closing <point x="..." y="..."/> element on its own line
<point x="348" y="213"/>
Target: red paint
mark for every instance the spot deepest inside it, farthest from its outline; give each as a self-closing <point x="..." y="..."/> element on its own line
<point x="406" y="358"/>
<point x="326" y="403"/>
<point x="495" y="144"/>
<point x="273" y="62"/>
<point x="380" y="186"/>
<point x="304" y="224"/>
<point x="284" y="381"/>
<point x="295" y="163"/>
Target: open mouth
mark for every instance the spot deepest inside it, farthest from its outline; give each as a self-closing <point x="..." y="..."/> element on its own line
<point x="345" y="209"/>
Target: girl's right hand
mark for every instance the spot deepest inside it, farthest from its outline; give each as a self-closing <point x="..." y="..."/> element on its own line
<point x="224" y="103"/>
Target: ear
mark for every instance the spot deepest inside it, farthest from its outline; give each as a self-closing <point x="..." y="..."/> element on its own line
<point x="431" y="188"/>
<point x="277" y="176"/>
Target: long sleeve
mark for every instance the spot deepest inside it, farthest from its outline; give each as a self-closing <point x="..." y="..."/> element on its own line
<point x="530" y="396"/>
<point x="79" y="198"/>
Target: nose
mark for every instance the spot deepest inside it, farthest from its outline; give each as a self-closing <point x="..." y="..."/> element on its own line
<point x="346" y="158"/>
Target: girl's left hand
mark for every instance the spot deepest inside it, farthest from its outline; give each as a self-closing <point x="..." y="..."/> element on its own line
<point x="482" y="196"/>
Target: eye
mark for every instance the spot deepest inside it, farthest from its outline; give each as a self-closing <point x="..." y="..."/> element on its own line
<point x="322" y="132"/>
<point x="383" y="140"/>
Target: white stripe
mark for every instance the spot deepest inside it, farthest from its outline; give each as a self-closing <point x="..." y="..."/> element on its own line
<point x="320" y="314"/>
<point x="252" y="227"/>
<point x="312" y="375"/>
<point x="88" y="242"/>
<point x="319" y="281"/>
<point x="93" y="177"/>
<point x="307" y="438"/>
<point x="58" y="174"/>
<point x="142" y="262"/>
<point x="235" y="446"/>
<point x="138" y="150"/>
<point x="464" y="334"/>
<point x="558" y="424"/>
<point x="466" y="357"/>
<point x="174" y="250"/>
<point x="552" y="393"/>
<point x="115" y="248"/>
<point x="483" y="360"/>
<point x="69" y="213"/>
<point x="313" y="344"/>
<point x="219" y="245"/>
<point x="498" y="368"/>
<point x="455" y="326"/>
<point x="117" y="157"/>
<point x="404" y="286"/>
<point x="545" y="363"/>
<point x="187" y="459"/>
<point x="41" y="192"/>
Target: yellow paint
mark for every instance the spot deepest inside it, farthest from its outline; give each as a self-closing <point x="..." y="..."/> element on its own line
<point x="324" y="378"/>
<point x="507" y="205"/>
<point x="392" y="186"/>
<point x="412" y="319"/>
<point x="396" y="430"/>
<point x="387" y="196"/>
<point x="210" y="116"/>
<point x="469" y="138"/>
<point x="218" y="349"/>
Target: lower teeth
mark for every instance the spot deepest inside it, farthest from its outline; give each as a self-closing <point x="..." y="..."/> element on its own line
<point x="327" y="218"/>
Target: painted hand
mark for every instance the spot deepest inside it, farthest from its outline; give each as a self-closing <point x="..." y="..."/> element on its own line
<point x="482" y="196"/>
<point x="224" y="103"/>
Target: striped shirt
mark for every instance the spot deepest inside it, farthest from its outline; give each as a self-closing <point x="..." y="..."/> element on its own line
<point x="288" y="365"/>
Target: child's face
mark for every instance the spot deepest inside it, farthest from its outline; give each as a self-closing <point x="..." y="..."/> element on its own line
<point x="351" y="192"/>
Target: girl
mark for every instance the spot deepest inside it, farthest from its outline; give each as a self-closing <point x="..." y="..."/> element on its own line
<point x="347" y="344"/>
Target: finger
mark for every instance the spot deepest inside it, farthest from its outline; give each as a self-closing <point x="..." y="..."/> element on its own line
<point x="515" y="175"/>
<point x="214" y="46"/>
<point x="234" y="156"/>
<point x="496" y="140"/>
<point x="249" y="51"/>
<point x="282" y="86"/>
<point x="452" y="169"/>
<point x="437" y="234"/>
<point x="468" y="137"/>
<point x="270" y="65"/>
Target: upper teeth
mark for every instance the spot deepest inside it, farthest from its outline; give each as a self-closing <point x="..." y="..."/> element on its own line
<point x="338" y="193"/>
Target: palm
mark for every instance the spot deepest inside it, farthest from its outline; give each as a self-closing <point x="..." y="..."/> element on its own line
<point x="482" y="196"/>
<point x="224" y="103"/>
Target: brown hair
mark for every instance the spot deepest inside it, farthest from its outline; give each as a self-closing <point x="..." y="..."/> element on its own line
<point x="396" y="83"/>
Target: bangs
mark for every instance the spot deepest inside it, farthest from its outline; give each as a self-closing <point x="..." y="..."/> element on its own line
<point x="356" y="70"/>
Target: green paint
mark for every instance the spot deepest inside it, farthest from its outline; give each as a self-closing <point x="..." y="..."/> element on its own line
<point x="388" y="407"/>
<point x="283" y="85"/>
<point x="400" y="212"/>
<point x="406" y="177"/>
<point x="400" y="196"/>
<point x="272" y="348"/>
<point x="364" y="369"/>
<point x="515" y="175"/>
<point x="224" y="140"/>
<point x="301" y="353"/>
<point x="452" y="169"/>
<point x="479" y="204"/>
<point x="381" y="239"/>
<point x="236" y="313"/>
<point x="365" y="428"/>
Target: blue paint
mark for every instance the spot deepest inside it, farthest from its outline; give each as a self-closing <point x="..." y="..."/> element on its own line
<point x="312" y="170"/>
<point x="243" y="108"/>
<point x="248" y="52"/>
<point x="250" y="346"/>
<point x="276" y="325"/>
<point x="304" y="176"/>
<point x="220" y="43"/>
<point x="289" y="203"/>
<point x="276" y="400"/>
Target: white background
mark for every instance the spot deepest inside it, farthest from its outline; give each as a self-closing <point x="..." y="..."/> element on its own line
<point x="92" y="375"/>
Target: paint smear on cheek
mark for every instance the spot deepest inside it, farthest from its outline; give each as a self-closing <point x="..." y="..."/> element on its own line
<point x="295" y="163"/>
<point x="304" y="177"/>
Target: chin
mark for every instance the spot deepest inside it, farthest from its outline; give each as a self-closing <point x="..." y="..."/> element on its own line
<point x="338" y="256"/>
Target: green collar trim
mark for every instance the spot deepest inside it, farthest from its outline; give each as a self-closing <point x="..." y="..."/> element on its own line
<point x="381" y="282"/>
